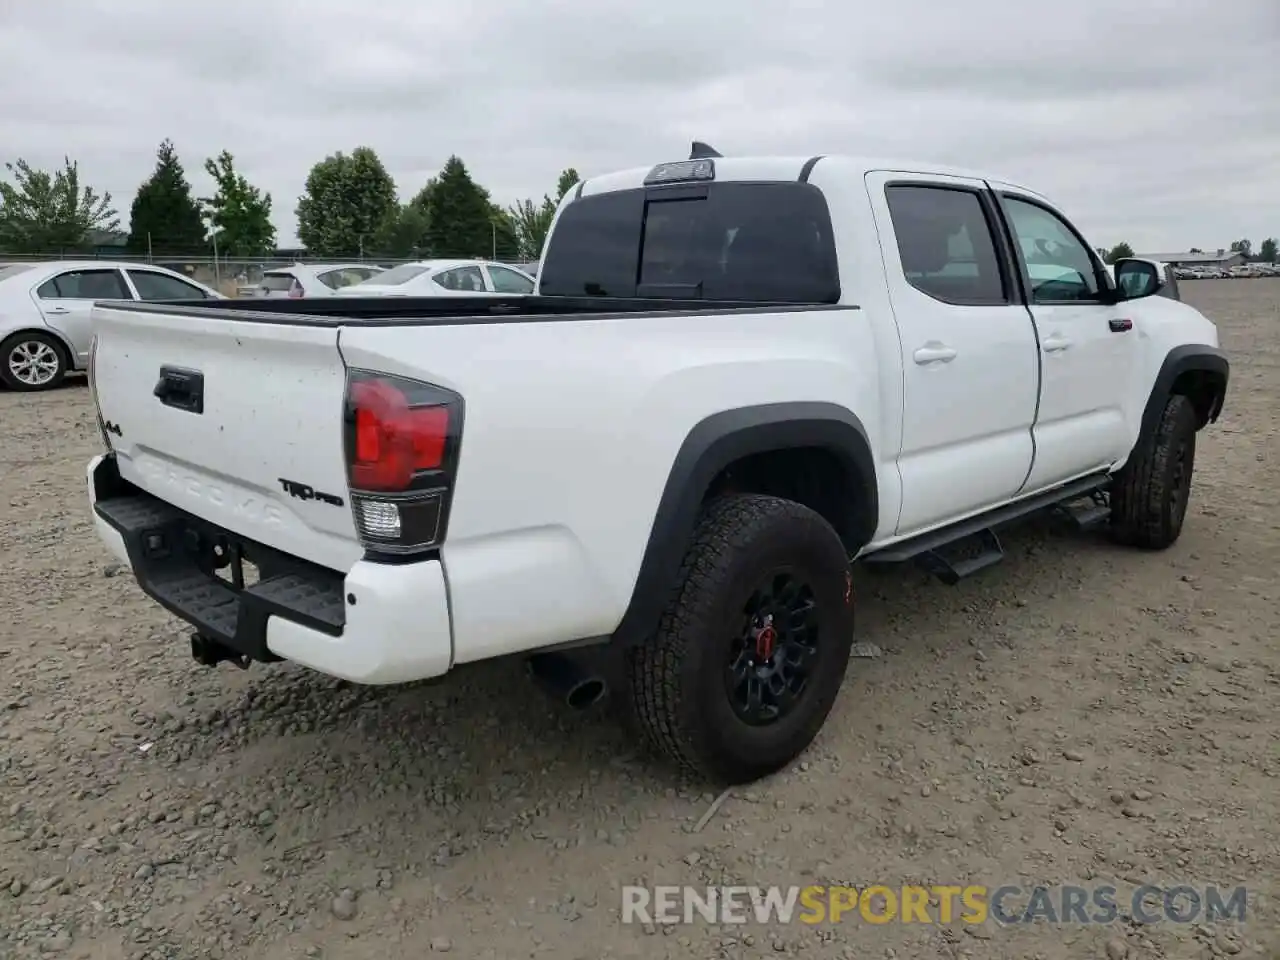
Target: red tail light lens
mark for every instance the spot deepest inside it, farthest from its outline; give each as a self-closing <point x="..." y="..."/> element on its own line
<point x="394" y="441"/>
<point x="402" y="440"/>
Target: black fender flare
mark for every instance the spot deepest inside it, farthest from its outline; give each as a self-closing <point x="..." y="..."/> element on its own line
<point x="713" y="444"/>
<point x="1186" y="358"/>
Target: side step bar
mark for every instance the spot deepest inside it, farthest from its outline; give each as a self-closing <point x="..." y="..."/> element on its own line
<point x="975" y="538"/>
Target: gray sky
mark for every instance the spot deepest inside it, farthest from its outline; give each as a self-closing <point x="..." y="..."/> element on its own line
<point x="1152" y="121"/>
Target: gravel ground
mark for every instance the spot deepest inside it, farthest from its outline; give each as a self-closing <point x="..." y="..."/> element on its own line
<point x="1080" y="714"/>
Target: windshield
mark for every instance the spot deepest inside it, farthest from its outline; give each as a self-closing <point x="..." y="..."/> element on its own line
<point x="396" y="275"/>
<point x="764" y="242"/>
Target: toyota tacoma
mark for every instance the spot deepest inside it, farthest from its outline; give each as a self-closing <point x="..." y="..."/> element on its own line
<point x="736" y="376"/>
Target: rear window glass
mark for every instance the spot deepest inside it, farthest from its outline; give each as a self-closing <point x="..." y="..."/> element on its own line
<point x="276" y="281"/>
<point x="12" y="270"/>
<point x="398" y="275"/>
<point x="725" y="241"/>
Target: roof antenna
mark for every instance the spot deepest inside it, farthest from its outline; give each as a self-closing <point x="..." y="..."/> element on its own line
<point x="702" y="151"/>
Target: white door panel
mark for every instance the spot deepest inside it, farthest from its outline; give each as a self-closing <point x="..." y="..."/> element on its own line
<point x="1086" y="364"/>
<point x="970" y="369"/>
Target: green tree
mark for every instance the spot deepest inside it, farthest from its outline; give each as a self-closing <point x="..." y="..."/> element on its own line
<point x="1119" y="252"/>
<point x="568" y="180"/>
<point x="532" y="221"/>
<point x="239" y="214"/>
<point x="348" y="201"/>
<point x="42" y="212"/>
<point x="1243" y="246"/>
<point x="461" y="222"/>
<point x="505" y="242"/>
<point x="403" y="234"/>
<point x="164" y="215"/>
<point x="1267" y="252"/>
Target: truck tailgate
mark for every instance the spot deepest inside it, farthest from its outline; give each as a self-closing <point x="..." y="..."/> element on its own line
<point x="268" y="424"/>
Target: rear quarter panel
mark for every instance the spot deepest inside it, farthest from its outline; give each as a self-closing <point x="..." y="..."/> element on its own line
<point x="571" y="429"/>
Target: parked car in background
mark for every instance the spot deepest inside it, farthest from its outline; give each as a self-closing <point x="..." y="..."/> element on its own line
<point x="445" y="278"/>
<point x="44" y="312"/>
<point x="313" y="279"/>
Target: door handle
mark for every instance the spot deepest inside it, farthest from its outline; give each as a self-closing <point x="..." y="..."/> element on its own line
<point x="1056" y="344"/>
<point x="934" y="353"/>
<point x="58" y="311"/>
<point x="181" y="388"/>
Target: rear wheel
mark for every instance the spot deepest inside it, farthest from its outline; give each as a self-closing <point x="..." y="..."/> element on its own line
<point x="32" y="361"/>
<point x="751" y="652"/>
<point x="1151" y="492"/>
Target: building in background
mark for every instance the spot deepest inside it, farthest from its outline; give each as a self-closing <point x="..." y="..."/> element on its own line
<point x="1222" y="260"/>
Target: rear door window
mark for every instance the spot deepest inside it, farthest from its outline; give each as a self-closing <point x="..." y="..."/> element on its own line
<point x="276" y="282"/>
<point x="761" y="242"/>
<point x="461" y="280"/>
<point x="85" y="285"/>
<point x="945" y="244"/>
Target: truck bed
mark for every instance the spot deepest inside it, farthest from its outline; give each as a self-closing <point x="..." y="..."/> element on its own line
<point x="448" y="311"/>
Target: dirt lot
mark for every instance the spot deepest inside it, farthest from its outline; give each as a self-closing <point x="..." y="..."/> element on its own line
<point x="1080" y="714"/>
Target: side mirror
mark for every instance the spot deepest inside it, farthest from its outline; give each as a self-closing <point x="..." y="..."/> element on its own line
<point x="1137" y="278"/>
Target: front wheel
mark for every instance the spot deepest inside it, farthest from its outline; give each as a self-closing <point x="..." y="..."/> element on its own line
<point x="750" y="654"/>
<point x="32" y="361"/>
<point x="1151" y="492"/>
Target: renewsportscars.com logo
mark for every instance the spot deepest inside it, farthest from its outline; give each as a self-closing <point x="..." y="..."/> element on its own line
<point x="939" y="903"/>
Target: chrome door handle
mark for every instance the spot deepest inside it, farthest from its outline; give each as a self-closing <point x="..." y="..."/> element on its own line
<point x="57" y="311"/>
<point x="934" y="353"/>
<point x="1056" y="344"/>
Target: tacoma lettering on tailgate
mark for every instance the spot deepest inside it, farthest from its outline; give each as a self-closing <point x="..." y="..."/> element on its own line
<point x="242" y="505"/>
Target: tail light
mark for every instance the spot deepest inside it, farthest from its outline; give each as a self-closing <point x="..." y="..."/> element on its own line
<point x="93" y="391"/>
<point x="295" y="289"/>
<point x="402" y="438"/>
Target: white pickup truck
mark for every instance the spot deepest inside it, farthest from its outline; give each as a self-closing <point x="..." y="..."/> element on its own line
<point x="737" y="375"/>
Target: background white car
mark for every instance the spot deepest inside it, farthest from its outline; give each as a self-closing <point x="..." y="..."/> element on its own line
<point x="44" y="312"/>
<point x="445" y="278"/>
<point x="313" y="279"/>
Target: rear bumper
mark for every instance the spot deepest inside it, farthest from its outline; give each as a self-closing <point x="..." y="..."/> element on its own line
<point x="377" y="624"/>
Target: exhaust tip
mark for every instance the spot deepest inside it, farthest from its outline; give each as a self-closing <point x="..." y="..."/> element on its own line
<point x="567" y="680"/>
<point x="586" y="694"/>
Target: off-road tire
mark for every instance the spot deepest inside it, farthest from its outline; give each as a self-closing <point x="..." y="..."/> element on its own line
<point x="32" y="336"/>
<point x="1150" y="493"/>
<point x="675" y="680"/>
